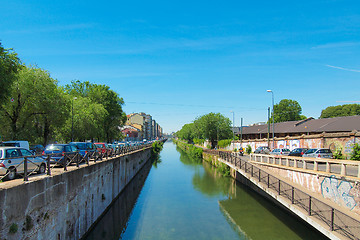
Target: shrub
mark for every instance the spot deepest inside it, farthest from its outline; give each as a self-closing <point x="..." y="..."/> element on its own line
<point x="224" y="143"/>
<point x="248" y="149"/>
<point x="157" y="147"/>
<point x="338" y="154"/>
<point x="355" y="154"/>
<point x="199" y="141"/>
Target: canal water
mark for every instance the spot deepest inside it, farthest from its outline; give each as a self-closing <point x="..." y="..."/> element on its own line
<point x="177" y="197"/>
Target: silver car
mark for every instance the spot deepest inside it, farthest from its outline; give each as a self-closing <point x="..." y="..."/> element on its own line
<point x="318" y="153"/>
<point x="12" y="161"/>
<point x="280" y="151"/>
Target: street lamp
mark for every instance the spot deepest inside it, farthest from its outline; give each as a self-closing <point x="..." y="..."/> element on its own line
<point x="273" y="133"/>
<point x="233" y="130"/>
<point x="72" y="119"/>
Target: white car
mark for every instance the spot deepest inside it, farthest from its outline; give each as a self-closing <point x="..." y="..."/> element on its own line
<point x="318" y="153"/>
<point x="280" y="151"/>
<point x="12" y="161"/>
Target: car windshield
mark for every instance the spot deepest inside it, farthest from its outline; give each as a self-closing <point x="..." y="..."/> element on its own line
<point x="311" y="151"/>
<point x="286" y="150"/>
<point x="54" y="148"/>
<point x="81" y="146"/>
<point x="99" y="145"/>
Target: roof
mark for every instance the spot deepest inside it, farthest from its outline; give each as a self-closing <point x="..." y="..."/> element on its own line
<point x="310" y="125"/>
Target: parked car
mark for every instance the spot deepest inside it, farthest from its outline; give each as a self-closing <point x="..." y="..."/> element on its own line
<point x="298" y="152"/>
<point x="85" y="148"/>
<point x="280" y="151"/>
<point x="262" y="150"/>
<point x="22" y="144"/>
<point x="12" y="161"/>
<point x="319" y="153"/>
<point x="60" y="152"/>
<point x="102" y="148"/>
<point x="37" y="149"/>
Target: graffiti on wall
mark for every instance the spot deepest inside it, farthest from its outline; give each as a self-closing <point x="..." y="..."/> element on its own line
<point x="350" y="144"/>
<point x="338" y="191"/>
<point x="306" y="180"/>
<point x="289" y="144"/>
<point x="312" y="143"/>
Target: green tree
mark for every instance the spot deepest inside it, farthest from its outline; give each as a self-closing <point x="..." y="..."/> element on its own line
<point x="287" y="110"/>
<point x="341" y="111"/>
<point x="9" y="66"/>
<point x="38" y="107"/>
<point x="187" y="132"/>
<point x="213" y="126"/>
<point x="112" y="118"/>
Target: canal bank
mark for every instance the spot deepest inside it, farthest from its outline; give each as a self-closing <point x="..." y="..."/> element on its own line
<point x="187" y="198"/>
<point x="66" y="205"/>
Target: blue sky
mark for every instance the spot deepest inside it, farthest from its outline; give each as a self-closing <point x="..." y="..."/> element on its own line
<point x="177" y="60"/>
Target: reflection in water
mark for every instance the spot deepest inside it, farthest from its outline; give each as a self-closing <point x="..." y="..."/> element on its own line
<point x="114" y="222"/>
<point x="184" y="198"/>
<point x="250" y="214"/>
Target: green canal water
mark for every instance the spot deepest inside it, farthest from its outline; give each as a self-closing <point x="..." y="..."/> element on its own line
<point x="181" y="198"/>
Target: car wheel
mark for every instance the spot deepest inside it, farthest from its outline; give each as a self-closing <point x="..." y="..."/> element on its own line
<point x="11" y="174"/>
<point x="42" y="168"/>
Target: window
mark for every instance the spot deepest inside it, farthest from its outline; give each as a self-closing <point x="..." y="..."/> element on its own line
<point x="10" y="153"/>
<point x="25" y="152"/>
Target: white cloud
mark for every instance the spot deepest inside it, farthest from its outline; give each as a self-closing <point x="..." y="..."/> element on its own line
<point x="341" y="68"/>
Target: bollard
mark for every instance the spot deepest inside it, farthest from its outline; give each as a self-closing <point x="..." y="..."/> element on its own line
<point x="25" y="169"/>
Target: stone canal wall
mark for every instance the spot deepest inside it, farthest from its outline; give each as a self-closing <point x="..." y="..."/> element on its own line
<point x="65" y="206"/>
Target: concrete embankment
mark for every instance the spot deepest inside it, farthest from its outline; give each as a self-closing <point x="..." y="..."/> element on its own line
<point x="66" y="205"/>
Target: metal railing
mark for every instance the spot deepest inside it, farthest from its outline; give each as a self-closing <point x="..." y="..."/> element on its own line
<point x="336" y="220"/>
<point x="66" y="160"/>
<point x="345" y="168"/>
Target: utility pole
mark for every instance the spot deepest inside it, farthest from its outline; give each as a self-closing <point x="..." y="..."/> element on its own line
<point x="268" y="133"/>
<point x="241" y="127"/>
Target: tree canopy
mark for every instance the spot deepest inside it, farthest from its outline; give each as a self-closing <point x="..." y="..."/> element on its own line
<point x="211" y="126"/>
<point x="9" y="66"/>
<point x="287" y="110"/>
<point x="33" y="107"/>
<point x="341" y="111"/>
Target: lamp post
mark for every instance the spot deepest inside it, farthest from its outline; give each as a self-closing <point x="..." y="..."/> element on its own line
<point x="72" y="119"/>
<point x="233" y="130"/>
<point x="273" y="133"/>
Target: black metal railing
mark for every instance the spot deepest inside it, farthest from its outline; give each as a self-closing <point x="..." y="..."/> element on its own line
<point x="64" y="162"/>
<point x="336" y="220"/>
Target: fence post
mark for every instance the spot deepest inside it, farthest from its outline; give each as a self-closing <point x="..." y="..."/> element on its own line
<point x="65" y="163"/>
<point x="343" y="169"/>
<point x="279" y="187"/>
<point x="77" y="157"/>
<point x="309" y="206"/>
<point x="332" y="220"/>
<point x="252" y="170"/>
<point x="268" y="180"/>
<point x="25" y="169"/>
<point x="259" y="175"/>
<point x="292" y="195"/>
<point x="48" y="165"/>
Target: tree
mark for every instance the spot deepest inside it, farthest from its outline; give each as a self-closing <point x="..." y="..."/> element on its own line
<point x="37" y="108"/>
<point x="9" y="66"/>
<point x="112" y="118"/>
<point x="341" y="111"/>
<point x="287" y="110"/>
<point x="187" y="132"/>
<point x="213" y="126"/>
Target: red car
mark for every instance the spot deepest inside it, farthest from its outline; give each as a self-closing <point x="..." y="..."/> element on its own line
<point x="101" y="147"/>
